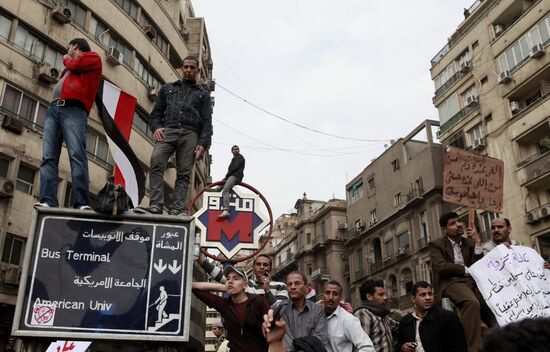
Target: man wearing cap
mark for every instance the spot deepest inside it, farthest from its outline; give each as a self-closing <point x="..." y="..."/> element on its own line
<point x="219" y="332"/>
<point x="261" y="283"/>
<point x="243" y="312"/>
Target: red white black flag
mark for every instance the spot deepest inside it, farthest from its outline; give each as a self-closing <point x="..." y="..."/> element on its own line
<point x="116" y="110"/>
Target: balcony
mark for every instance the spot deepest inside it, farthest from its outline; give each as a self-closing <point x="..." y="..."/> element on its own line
<point x="389" y="260"/>
<point x="376" y="266"/>
<point x="423" y="242"/>
<point x="537" y="170"/>
<point x="445" y="86"/>
<point x="457" y="117"/>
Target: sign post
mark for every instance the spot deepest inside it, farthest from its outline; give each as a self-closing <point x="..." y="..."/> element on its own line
<point x="96" y="277"/>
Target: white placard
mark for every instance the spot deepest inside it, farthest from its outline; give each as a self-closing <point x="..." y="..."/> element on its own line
<point x="69" y="346"/>
<point x="514" y="283"/>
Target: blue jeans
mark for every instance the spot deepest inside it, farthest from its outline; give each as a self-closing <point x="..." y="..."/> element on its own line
<point x="64" y="123"/>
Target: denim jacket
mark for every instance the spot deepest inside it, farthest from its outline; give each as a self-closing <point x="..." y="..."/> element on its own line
<point x="183" y="104"/>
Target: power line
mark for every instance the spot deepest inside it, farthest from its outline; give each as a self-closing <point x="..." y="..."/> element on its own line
<point x="294" y="123"/>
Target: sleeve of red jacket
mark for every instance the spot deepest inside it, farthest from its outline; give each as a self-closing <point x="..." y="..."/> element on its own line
<point x="88" y="61"/>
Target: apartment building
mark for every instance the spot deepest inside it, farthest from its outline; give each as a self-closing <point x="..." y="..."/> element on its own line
<point x="393" y="207"/>
<point x="492" y="92"/>
<point x="142" y="44"/>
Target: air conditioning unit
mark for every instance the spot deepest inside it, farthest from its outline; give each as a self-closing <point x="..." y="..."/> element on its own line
<point x="6" y="187"/>
<point x="152" y="93"/>
<point x="471" y="100"/>
<point x="437" y="134"/>
<point x="12" y="276"/>
<point x="499" y="29"/>
<point x="401" y="251"/>
<point x="61" y="13"/>
<point x="47" y="74"/>
<point x="466" y="66"/>
<point x="114" y="57"/>
<point x="532" y="217"/>
<point x="536" y="51"/>
<point x="544" y="211"/>
<point x="12" y="124"/>
<point x="150" y="31"/>
<point x="343" y="226"/>
<point x="515" y="107"/>
<point x="504" y="77"/>
<point x="479" y="143"/>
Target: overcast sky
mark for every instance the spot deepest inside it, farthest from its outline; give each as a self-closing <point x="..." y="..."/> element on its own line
<point x="352" y="68"/>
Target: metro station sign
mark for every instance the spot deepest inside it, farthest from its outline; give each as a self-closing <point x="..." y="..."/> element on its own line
<point x="241" y="230"/>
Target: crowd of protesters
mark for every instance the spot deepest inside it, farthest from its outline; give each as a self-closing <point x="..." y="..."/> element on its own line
<point x="264" y="315"/>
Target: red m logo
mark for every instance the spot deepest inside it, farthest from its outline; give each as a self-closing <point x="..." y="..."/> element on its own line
<point x="241" y="224"/>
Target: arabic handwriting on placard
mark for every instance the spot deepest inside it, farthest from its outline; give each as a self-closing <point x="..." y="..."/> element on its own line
<point x="66" y="347"/>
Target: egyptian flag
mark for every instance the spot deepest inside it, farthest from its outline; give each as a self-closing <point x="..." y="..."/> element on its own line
<point x="116" y="110"/>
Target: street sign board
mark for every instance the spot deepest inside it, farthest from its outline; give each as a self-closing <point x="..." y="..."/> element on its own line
<point x="87" y="275"/>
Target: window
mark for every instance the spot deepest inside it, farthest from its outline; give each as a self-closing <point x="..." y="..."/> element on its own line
<point x="448" y="108"/>
<point x="323" y="231"/>
<point x="485" y="227"/>
<point x="25" y="179"/>
<point x="309" y="269"/>
<point x="543" y="145"/>
<point x="144" y="71"/>
<point x="4" y="166"/>
<point x="356" y="191"/>
<point x="38" y="48"/>
<point x="128" y="6"/>
<point x="159" y="40"/>
<point x="141" y="123"/>
<point x="403" y="240"/>
<point x="397" y="199"/>
<point x="464" y="58"/>
<point x="5" y="26"/>
<point x="476" y="135"/>
<point x="98" y="149"/>
<point x="424" y="225"/>
<point x="308" y="238"/>
<point x="23" y="105"/>
<point x="519" y="51"/>
<point x="371" y="183"/>
<point x="13" y="249"/>
<point x="78" y="13"/>
<point x="389" y="247"/>
<point x="373" y="218"/>
<point x="360" y="259"/>
<point x="109" y="39"/>
<point x="445" y="75"/>
<point x="470" y="92"/>
<point x="395" y="164"/>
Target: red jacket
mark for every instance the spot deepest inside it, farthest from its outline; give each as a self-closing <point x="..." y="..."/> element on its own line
<point x="84" y="79"/>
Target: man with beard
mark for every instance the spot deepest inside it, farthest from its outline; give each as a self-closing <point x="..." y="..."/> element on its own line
<point x="344" y="330"/>
<point x="429" y="328"/>
<point x="374" y="316"/>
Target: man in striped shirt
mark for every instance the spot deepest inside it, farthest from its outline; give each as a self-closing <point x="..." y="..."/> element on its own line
<point x="261" y="282"/>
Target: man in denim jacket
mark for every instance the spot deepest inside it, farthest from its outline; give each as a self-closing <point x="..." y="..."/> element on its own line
<point x="181" y="122"/>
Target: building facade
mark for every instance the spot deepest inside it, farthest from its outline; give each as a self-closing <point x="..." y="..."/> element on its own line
<point x="142" y="44"/>
<point x="492" y="92"/>
<point x="391" y="221"/>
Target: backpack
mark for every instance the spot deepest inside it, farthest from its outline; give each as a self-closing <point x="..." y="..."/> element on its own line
<point x="112" y="200"/>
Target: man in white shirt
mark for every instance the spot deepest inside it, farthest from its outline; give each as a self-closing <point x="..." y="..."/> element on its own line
<point x="344" y="330"/>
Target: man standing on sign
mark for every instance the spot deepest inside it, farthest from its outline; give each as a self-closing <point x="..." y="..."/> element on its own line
<point x="67" y="120"/>
<point x="181" y="122"/>
<point x="235" y="174"/>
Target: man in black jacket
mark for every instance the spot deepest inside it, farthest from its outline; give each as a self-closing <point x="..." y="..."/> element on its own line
<point x="181" y="122"/>
<point x="429" y="328"/>
<point x="235" y="174"/>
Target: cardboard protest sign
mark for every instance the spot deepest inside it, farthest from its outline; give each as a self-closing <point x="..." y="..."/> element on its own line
<point x="69" y="346"/>
<point x="513" y="283"/>
<point x="473" y="180"/>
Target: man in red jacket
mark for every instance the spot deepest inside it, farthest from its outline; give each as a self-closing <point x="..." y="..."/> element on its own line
<point x="66" y="120"/>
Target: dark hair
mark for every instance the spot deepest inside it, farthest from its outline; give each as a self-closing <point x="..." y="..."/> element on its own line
<point x="192" y="58"/>
<point x="235" y="146"/>
<point x="506" y="221"/>
<point x="419" y="284"/>
<point x="81" y="43"/>
<point x="525" y="335"/>
<point x="444" y="219"/>
<point x="335" y="283"/>
<point x="369" y="287"/>
<point x="304" y="278"/>
<point x="265" y="256"/>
